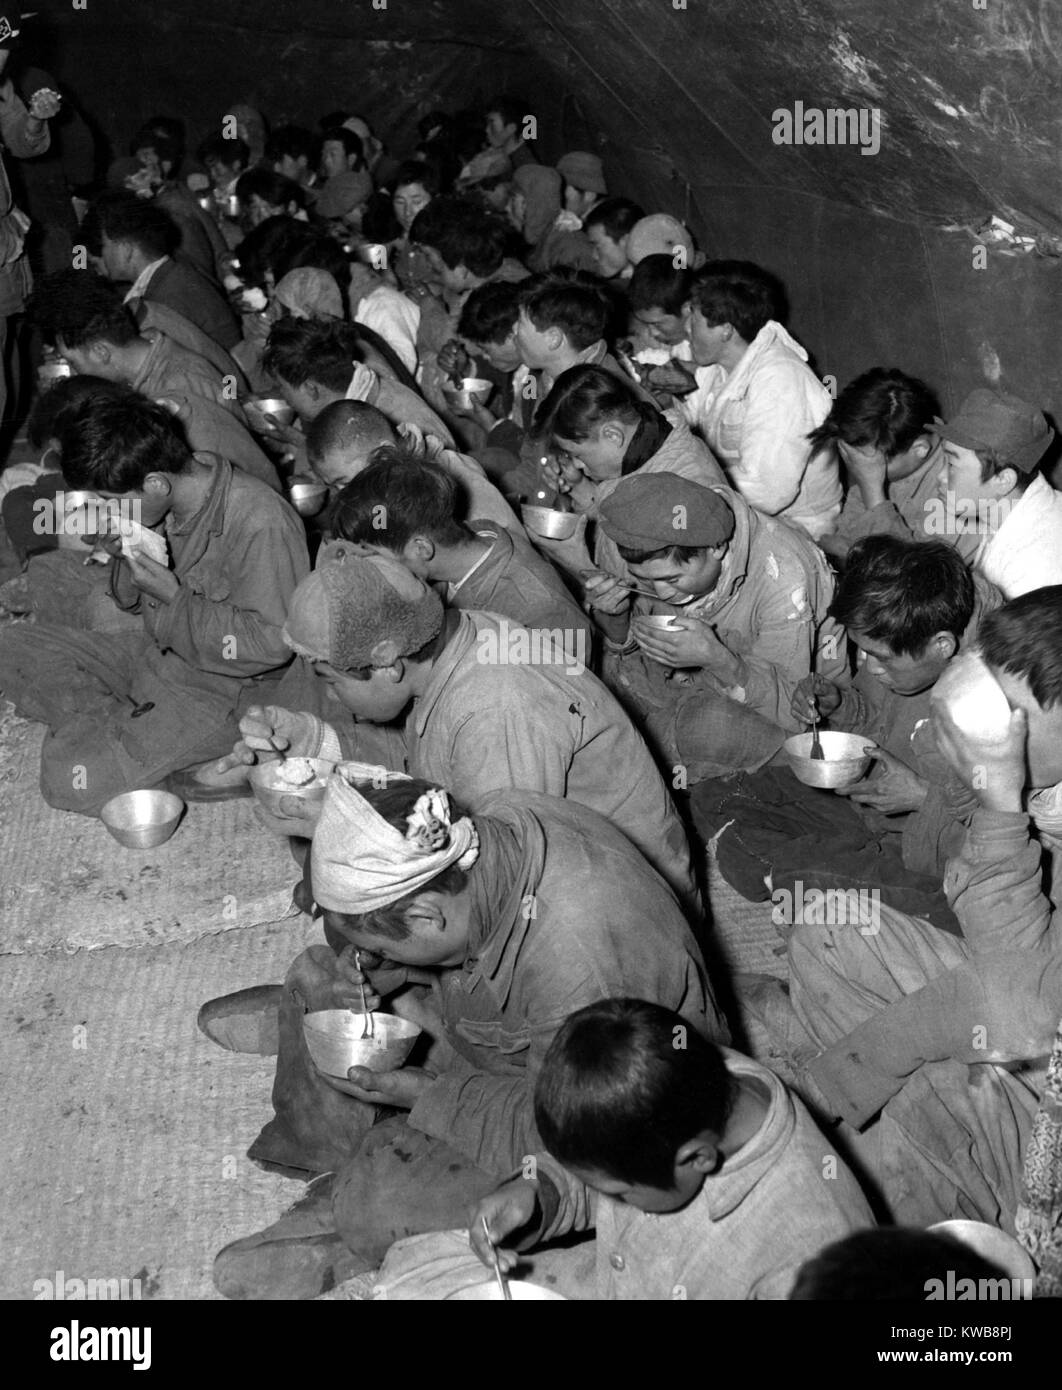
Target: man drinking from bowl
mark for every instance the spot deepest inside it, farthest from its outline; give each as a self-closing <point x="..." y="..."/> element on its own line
<point x="516" y="914"/>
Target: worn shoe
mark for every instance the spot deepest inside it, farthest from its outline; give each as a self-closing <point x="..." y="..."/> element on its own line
<point x="247" y="1021"/>
<point x="299" y="1256"/>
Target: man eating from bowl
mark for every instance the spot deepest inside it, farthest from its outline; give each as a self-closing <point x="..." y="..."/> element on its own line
<point x="748" y="596"/>
<point x="480" y="906"/>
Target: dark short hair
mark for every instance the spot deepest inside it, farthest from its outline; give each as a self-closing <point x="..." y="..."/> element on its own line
<point x="739" y="293"/>
<point x="578" y="307"/>
<point x="121" y="216"/>
<point x="624" y="1085"/>
<point x="217" y="150"/>
<point x="416" y="171"/>
<point x="510" y="108"/>
<point x="583" y="398"/>
<point x="903" y="592"/>
<point x="679" y="554"/>
<point x="490" y="312"/>
<point x="463" y="234"/>
<point x="293" y="141"/>
<point x="111" y="444"/>
<point x="275" y="189"/>
<point x="395" y="803"/>
<point x="658" y="284"/>
<point x="887" y="1263"/>
<point x="80" y="307"/>
<point x="616" y="215"/>
<point x="346" y="424"/>
<point x="51" y="410"/>
<point x="350" y="141"/>
<point x="1024" y="639"/>
<point x="411" y="497"/>
<point x="884" y="408"/>
<point x="302" y="350"/>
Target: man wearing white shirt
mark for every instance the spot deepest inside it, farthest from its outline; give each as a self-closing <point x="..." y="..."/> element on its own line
<point x="991" y="496"/>
<point x="757" y="399"/>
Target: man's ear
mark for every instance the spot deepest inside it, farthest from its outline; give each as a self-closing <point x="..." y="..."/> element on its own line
<point x="945" y="645"/>
<point x="555" y="338"/>
<point x="1005" y="481"/>
<point x="157" y="485"/>
<point x="924" y="446"/>
<point x="420" y="548"/>
<point x="718" y="552"/>
<point x="700" y="1154"/>
<point x="614" y="432"/>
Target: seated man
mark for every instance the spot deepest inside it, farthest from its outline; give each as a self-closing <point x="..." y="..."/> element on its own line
<point x="658" y="293"/>
<point x="478" y="904"/>
<point x="881" y="426"/>
<point x="465" y="247"/>
<point x="749" y="598"/>
<point x="946" y="1036"/>
<point x="484" y="707"/>
<point x="562" y="324"/>
<point x="294" y="153"/>
<point x="608" y="226"/>
<point x="908" y="607"/>
<point x="584" y="184"/>
<point x="700" y="1174"/>
<point x="90" y="327"/>
<point x="315" y="363"/>
<point x="757" y="400"/>
<point x="136" y="244"/>
<point x="535" y="210"/>
<point x="127" y="710"/>
<point x="342" y="440"/>
<point x="413" y="511"/>
<point x="602" y="431"/>
<point x="506" y="117"/>
<point x="992" y="496"/>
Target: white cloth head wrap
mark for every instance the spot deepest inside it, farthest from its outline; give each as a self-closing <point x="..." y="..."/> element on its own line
<point x="360" y="862"/>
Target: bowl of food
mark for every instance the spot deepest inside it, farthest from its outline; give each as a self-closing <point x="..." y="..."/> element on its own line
<point x="307" y="498"/>
<point x="548" y="522"/>
<point x="144" y="819"/>
<point x="336" y="1043"/>
<point x="521" y="1290"/>
<point x="842" y="763"/>
<point x="473" y="390"/>
<point x="265" y="413"/>
<point x="991" y="1244"/>
<point x="290" y="786"/>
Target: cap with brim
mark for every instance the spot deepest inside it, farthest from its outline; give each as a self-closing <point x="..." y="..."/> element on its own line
<point x="343" y="192"/>
<point x="310" y="293"/>
<point x="582" y="170"/>
<point x="1012" y="428"/>
<point x="655" y="510"/>
<point x="351" y="603"/>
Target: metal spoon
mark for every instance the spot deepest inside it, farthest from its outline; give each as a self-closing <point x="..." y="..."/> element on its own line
<point x="368" y="1023"/>
<point x="503" y="1283"/>
<point x="817" y="755"/>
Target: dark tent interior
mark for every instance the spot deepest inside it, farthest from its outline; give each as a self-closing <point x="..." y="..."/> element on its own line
<point x="877" y="252"/>
<point x="230" y="656"/>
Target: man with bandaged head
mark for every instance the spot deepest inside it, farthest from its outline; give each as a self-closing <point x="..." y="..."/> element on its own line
<point x="516" y="915"/>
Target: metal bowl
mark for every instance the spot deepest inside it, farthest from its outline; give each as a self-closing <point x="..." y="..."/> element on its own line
<point x="273" y="793"/>
<point x="521" y="1290"/>
<point x="546" y="521"/>
<point x="844" y="760"/>
<point x="48" y="373"/>
<point x="474" y="390"/>
<point x="142" y="820"/>
<point x="662" y="622"/>
<point x="334" y="1038"/>
<point x="992" y="1244"/>
<point x="307" y="498"/>
<point x="373" y="253"/>
<point x="265" y="413"/>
